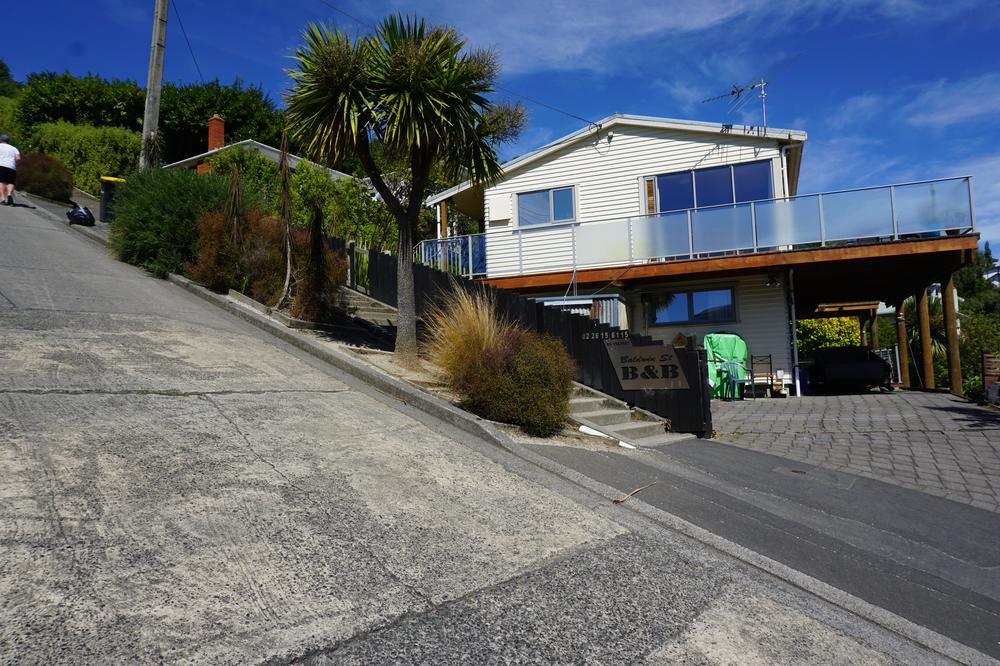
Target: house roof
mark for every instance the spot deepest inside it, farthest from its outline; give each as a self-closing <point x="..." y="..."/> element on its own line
<point x="781" y="135"/>
<point x="267" y="151"/>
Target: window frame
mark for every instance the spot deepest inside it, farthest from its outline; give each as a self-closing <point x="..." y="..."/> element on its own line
<point x="694" y="186"/>
<point x="552" y="211"/>
<point x="689" y="297"/>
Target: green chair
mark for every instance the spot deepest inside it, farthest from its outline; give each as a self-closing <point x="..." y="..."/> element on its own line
<point x="735" y="375"/>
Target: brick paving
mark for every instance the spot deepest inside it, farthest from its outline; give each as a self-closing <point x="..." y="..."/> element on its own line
<point x="931" y="442"/>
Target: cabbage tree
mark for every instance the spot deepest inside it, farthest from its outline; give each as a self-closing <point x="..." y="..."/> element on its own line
<point x="415" y="91"/>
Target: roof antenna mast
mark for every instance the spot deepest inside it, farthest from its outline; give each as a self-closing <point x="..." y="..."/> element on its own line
<point x="738" y="100"/>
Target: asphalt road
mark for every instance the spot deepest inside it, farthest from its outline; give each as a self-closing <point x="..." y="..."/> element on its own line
<point x="179" y="487"/>
<point x="925" y="558"/>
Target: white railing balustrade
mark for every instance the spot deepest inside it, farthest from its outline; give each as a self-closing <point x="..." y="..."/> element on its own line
<point x="881" y="214"/>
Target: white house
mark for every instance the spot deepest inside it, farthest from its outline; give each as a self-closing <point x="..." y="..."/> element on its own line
<point x="694" y="227"/>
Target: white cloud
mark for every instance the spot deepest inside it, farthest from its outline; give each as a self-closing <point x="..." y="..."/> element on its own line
<point x="856" y="110"/>
<point x="537" y="36"/>
<point x="944" y="102"/>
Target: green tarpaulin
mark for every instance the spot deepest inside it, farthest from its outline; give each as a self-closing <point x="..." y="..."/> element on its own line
<point x="722" y="347"/>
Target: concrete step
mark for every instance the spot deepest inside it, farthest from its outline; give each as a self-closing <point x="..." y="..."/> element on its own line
<point x="605" y="417"/>
<point x="662" y="439"/>
<point x="586" y="404"/>
<point x="635" y="430"/>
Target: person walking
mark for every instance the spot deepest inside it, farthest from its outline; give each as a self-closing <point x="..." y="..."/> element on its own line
<point x="9" y="157"/>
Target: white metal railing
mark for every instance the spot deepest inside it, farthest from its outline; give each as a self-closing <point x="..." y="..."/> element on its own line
<point x="885" y="213"/>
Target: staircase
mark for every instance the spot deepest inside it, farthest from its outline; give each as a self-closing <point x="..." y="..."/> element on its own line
<point x="615" y="419"/>
<point x="364" y="307"/>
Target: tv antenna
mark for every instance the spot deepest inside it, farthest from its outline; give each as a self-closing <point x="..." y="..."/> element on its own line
<point x="740" y="95"/>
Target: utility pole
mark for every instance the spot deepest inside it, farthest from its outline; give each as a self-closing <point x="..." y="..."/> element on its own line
<point x="154" y="81"/>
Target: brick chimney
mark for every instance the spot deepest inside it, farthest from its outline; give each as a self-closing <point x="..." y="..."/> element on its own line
<point x="216" y="132"/>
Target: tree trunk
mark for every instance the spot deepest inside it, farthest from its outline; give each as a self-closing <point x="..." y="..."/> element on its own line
<point x="406" y="304"/>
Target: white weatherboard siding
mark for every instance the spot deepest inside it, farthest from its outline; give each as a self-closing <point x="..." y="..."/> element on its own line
<point x="761" y="317"/>
<point x="607" y="177"/>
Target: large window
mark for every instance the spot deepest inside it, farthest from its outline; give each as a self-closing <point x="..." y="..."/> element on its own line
<point x="737" y="183"/>
<point x="545" y="207"/>
<point x="691" y="307"/>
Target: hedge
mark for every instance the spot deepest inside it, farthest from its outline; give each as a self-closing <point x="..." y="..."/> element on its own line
<point x="88" y="152"/>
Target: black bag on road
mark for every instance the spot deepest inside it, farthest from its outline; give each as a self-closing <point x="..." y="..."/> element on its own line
<point x="81" y="216"/>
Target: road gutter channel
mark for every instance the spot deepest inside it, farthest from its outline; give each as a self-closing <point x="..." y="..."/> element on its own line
<point x="479" y="428"/>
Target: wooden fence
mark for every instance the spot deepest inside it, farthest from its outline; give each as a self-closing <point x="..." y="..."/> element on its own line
<point x="689" y="410"/>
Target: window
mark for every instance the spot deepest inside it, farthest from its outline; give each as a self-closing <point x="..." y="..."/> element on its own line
<point x="713" y="186"/>
<point x="675" y="191"/>
<point x="737" y="183"/>
<point x="752" y="181"/>
<point x="691" y="307"/>
<point x="545" y="207"/>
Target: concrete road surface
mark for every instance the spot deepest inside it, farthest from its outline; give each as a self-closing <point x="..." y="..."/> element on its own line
<point x="179" y="487"/>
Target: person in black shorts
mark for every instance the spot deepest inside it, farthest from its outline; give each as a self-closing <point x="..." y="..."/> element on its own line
<point x="9" y="157"/>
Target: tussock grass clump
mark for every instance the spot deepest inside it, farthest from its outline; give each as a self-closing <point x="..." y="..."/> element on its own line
<point x="502" y="371"/>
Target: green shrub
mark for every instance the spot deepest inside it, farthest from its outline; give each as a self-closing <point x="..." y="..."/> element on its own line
<point x="156" y="217"/>
<point x="828" y="332"/>
<point x="259" y="174"/>
<point x="88" y="152"/>
<point x="501" y="371"/>
<point x="9" y="123"/>
<point x="44" y="176"/>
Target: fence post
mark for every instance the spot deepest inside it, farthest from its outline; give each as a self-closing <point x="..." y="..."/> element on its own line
<point x="822" y="221"/>
<point x="892" y="207"/>
<point x="690" y="236"/>
<point x="468" y="241"/>
<point x="352" y="266"/>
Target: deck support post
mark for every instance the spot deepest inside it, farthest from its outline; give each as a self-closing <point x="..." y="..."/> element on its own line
<point x="902" y="345"/>
<point x="924" y="320"/>
<point x="863" y="327"/>
<point x="948" y="303"/>
<point x="874" y="327"/>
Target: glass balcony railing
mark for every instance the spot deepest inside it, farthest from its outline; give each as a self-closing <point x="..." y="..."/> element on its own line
<point x="925" y="209"/>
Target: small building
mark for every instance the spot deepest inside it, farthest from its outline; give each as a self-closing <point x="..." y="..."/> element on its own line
<point x="694" y="228"/>
<point x="217" y="144"/>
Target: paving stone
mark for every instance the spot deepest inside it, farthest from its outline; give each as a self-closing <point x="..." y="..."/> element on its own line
<point x="932" y="442"/>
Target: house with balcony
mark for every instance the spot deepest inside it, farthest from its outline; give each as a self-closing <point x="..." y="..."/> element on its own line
<point x="667" y="226"/>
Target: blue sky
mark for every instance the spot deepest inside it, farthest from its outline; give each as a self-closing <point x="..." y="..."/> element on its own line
<point x="888" y="90"/>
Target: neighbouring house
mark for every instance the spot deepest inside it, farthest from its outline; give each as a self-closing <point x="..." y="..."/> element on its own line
<point x="217" y="144"/>
<point x="669" y="226"/>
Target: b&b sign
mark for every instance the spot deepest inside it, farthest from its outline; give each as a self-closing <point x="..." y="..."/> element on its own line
<point x="646" y="367"/>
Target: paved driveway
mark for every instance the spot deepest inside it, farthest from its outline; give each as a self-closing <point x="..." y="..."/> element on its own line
<point x="931" y="442"/>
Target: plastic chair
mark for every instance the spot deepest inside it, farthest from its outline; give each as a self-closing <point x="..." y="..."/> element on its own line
<point x="731" y="371"/>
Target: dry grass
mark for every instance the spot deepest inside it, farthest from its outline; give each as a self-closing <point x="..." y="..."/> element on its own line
<point x="464" y="330"/>
<point x="502" y="371"/>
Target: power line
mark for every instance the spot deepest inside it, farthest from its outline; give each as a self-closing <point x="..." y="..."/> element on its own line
<point x="184" y="32"/>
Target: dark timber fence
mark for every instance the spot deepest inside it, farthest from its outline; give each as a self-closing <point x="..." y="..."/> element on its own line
<point x="689" y="410"/>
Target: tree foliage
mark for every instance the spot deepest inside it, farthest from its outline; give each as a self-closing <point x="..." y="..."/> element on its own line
<point x="414" y="90"/>
<point x="8" y="86"/>
<point x="816" y="334"/>
<point x="184" y="109"/>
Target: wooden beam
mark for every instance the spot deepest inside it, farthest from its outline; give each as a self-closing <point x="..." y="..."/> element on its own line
<point x="924" y="320"/>
<point x="904" y="347"/>
<point x="444" y="218"/>
<point x="695" y="268"/>
<point x="951" y="331"/>
<point x="874" y="326"/>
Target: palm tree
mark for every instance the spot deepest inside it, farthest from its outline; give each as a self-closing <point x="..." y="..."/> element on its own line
<point x="411" y="89"/>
